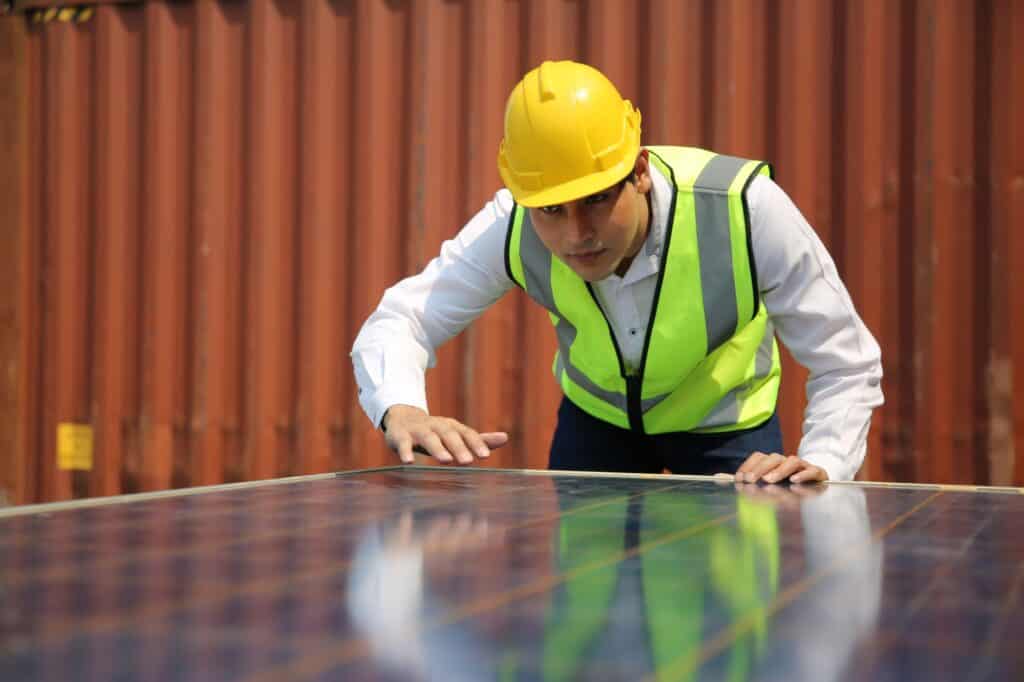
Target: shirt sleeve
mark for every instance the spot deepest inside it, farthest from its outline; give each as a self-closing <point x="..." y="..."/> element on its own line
<point x="816" y="320"/>
<point x="398" y="342"/>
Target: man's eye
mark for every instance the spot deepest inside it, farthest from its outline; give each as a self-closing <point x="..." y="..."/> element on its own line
<point x="551" y="210"/>
<point x="596" y="198"/>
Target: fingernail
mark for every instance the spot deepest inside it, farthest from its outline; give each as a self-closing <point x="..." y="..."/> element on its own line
<point x="771" y="478"/>
<point x="483" y="452"/>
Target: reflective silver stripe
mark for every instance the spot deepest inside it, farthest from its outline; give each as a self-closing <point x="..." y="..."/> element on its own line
<point x="538" y="282"/>
<point x="763" y="362"/>
<point x="727" y="411"/>
<point x="711" y="198"/>
<point x="536" y="264"/>
<point x="648" y="403"/>
<point x="617" y="400"/>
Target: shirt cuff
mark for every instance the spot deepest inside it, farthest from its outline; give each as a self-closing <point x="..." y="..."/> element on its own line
<point x="378" y="402"/>
<point x="837" y="468"/>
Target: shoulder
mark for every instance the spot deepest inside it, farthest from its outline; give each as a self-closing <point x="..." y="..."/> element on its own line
<point x="503" y="201"/>
<point x="491" y="218"/>
<point x="767" y="200"/>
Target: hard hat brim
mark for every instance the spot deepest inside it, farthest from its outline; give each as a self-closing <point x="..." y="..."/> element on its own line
<point x="580" y="187"/>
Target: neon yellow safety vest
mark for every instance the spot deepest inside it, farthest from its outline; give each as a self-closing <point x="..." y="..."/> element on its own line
<point x="709" y="347"/>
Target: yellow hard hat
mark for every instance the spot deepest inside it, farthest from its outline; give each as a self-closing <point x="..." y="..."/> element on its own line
<point x="568" y="134"/>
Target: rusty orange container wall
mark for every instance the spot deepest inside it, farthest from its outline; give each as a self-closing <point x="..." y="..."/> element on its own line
<point x="200" y="203"/>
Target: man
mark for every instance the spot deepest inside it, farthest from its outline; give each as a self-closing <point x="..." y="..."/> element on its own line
<point x="667" y="271"/>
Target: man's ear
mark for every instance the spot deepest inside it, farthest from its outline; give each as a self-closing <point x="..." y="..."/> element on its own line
<point x="642" y="171"/>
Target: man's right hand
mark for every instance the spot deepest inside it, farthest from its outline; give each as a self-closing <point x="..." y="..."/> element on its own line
<point x="409" y="429"/>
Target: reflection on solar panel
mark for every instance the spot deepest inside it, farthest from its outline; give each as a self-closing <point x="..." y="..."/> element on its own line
<point x="429" y="573"/>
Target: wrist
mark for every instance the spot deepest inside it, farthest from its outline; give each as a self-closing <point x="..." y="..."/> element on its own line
<point x="397" y="409"/>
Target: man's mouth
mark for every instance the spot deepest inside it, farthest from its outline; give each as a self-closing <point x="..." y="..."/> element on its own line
<point x="586" y="256"/>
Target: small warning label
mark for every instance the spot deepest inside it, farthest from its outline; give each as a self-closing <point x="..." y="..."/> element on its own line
<point x="74" y="446"/>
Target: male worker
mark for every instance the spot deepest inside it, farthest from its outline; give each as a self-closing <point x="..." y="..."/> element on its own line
<point x="667" y="271"/>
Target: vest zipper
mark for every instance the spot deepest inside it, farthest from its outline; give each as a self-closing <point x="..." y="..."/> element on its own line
<point x="634" y="382"/>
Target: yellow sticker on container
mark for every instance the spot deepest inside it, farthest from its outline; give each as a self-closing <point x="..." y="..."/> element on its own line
<point x="74" y="446"/>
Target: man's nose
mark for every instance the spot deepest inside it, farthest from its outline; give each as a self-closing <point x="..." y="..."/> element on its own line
<point x="580" y="229"/>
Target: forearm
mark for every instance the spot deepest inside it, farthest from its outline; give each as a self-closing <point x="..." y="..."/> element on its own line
<point x="838" y="418"/>
<point x="398" y="342"/>
<point x="389" y="366"/>
<point x="815" y="319"/>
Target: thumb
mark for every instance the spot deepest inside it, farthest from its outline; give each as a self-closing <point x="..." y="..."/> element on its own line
<point x="495" y="439"/>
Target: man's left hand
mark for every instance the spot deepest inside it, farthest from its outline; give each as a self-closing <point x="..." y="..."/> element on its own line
<point x="774" y="468"/>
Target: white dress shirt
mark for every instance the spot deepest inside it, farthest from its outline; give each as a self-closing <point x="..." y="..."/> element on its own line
<point x="806" y="302"/>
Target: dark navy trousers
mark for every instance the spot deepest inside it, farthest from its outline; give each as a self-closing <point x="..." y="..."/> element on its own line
<point x="586" y="443"/>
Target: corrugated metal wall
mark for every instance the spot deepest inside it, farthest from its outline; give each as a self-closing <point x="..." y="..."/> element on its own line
<point x="210" y="198"/>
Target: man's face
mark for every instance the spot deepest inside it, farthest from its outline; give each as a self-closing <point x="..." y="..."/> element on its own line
<point x="598" y="234"/>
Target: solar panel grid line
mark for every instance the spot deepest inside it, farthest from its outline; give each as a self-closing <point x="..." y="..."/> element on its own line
<point x="954" y="614"/>
<point x="888" y="641"/>
<point x="128" y="523"/>
<point x="923" y="641"/>
<point x="331" y="657"/>
<point x="132" y="498"/>
<point x="214" y="594"/>
<point x="720" y="642"/>
<point x="53" y="507"/>
<point x="926" y="593"/>
<point x="992" y="640"/>
<point x="197" y="548"/>
<point x="940" y="574"/>
<point x="888" y="654"/>
<point x="217" y="595"/>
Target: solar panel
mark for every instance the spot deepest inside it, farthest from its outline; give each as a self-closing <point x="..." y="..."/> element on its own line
<point x="451" y="574"/>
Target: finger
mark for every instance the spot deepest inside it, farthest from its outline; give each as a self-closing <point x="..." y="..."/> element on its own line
<point x="723" y="478"/>
<point x="748" y="464"/>
<point x="475" y="443"/>
<point x="454" y="443"/>
<point x="403" y="446"/>
<point x="809" y="475"/>
<point x="494" y="439"/>
<point x="790" y="465"/>
<point x="764" y="466"/>
<point x="435" y="448"/>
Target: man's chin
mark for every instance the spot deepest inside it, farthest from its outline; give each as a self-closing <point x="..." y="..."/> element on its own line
<point x="592" y="275"/>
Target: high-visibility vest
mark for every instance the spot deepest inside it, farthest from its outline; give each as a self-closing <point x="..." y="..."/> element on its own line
<point x="709" y="347"/>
